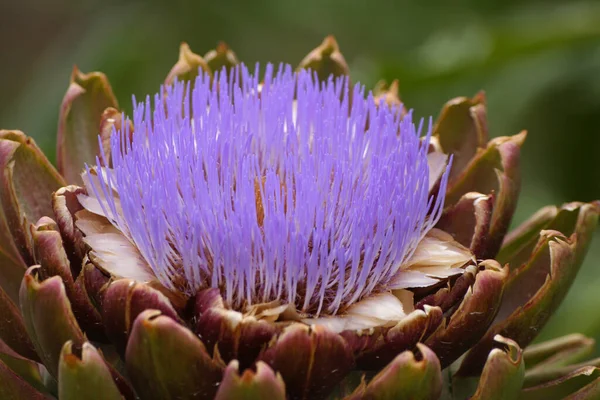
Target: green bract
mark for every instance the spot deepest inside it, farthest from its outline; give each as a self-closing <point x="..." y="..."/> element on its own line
<point x="70" y="329"/>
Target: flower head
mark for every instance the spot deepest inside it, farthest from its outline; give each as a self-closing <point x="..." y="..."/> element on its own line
<point x="284" y="191"/>
<point x="264" y="240"/>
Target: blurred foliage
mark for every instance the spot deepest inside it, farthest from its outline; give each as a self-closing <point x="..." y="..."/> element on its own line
<point x="537" y="60"/>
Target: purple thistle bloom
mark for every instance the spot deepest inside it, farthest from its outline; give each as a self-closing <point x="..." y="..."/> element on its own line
<point x="282" y="191"/>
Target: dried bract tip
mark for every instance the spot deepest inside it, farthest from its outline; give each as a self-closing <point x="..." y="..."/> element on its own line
<point x="187" y="67"/>
<point x="326" y="60"/>
<point x="221" y="57"/>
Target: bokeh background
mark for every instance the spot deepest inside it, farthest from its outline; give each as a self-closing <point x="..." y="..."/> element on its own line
<point x="537" y="60"/>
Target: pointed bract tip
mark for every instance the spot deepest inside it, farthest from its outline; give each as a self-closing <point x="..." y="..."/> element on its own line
<point x="221" y="57"/>
<point x="326" y="59"/>
<point x="222" y="47"/>
<point x="480" y="98"/>
<point x="184" y="49"/>
<point x="75" y="73"/>
<point x="520" y="138"/>
<point x="329" y="45"/>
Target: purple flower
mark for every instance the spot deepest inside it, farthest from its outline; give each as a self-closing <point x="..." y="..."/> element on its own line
<point x="277" y="241"/>
<point x="291" y="192"/>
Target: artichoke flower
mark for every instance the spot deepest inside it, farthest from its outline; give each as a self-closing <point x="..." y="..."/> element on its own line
<point x="279" y="234"/>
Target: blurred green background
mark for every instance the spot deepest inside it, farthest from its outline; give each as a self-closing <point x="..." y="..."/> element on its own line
<point x="537" y="60"/>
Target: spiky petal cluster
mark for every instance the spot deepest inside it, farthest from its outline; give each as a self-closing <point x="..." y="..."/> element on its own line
<point x="281" y="191"/>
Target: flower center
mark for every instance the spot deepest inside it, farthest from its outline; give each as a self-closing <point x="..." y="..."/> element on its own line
<point x="282" y="191"/>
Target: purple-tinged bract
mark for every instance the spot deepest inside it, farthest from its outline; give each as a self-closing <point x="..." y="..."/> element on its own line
<point x="282" y="191"/>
